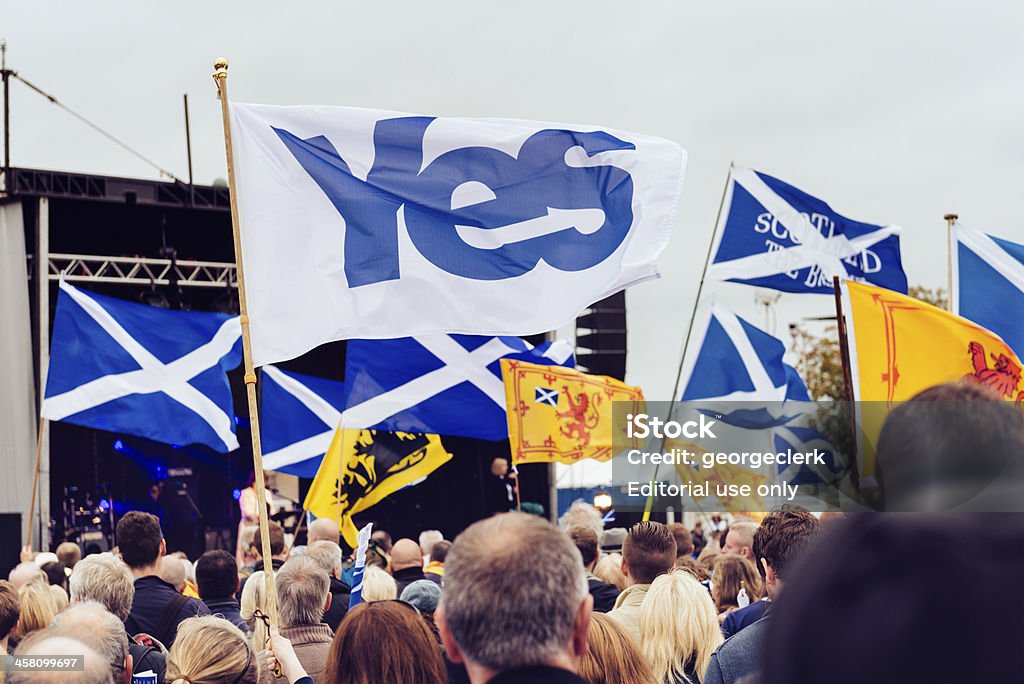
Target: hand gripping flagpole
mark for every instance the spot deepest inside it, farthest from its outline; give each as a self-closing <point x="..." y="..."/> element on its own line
<point x="220" y="76"/>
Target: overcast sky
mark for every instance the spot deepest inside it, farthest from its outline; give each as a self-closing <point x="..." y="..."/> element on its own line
<point x="893" y="112"/>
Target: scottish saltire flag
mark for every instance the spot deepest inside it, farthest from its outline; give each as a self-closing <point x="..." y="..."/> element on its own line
<point x="440" y="384"/>
<point x="360" y="223"/>
<point x="738" y="361"/>
<point x="988" y="283"/>
<point x="773" y="235"/>
<point x="356" y="596"/>
<point x="299" y="414"/>
<point x="142" y="370"/>
<point x="800" y="436"/>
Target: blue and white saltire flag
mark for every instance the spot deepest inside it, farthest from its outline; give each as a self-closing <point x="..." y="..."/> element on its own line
<point x="362" y="542"/>
<point x="773" y="235"/>
<point x="368" y="224"/>
<point x="440" y="384"/>
<point x="300" y="414"/>
<point x="800" y="437"/>
<point x="142" y="370"/>
<point x="988" y="283"/>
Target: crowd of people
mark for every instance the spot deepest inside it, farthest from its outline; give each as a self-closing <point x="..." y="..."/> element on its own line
<point x="787" y="597"/>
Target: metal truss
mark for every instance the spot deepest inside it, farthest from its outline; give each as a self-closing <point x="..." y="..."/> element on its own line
<point x="87" y="268"/>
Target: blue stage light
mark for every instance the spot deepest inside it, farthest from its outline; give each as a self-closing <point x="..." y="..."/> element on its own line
<point x="236" y="494"/>
<point x="118" y="445"/>
<point x="104" y="505"/>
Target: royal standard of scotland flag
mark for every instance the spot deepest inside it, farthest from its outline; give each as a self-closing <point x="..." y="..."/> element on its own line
<point x="299" y="414"/>
<point x="776" y="236"/>
<point x="440" y="384"/>
<point x="142" y="370"/>
<point x="988" y="284"/>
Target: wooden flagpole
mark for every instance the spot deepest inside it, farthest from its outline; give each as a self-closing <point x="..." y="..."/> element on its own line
<point x="35" y="482"/>
<point x="220" y="76"/>
<point x="844" y="354"/>
<point x="950" y="220"/>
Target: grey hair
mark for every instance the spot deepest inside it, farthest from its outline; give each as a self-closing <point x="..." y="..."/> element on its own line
<point x="93" y="625"/>
<point x="103" y="578"/>
<point x="513" y="586"/>
<point x="428" y="538"/>
<point x="326" y="554"/>
<point x="302" y="590"/>
<point x="173" y="571"/>
<point x="45" y="642"/>
<point x="582" y="514"/>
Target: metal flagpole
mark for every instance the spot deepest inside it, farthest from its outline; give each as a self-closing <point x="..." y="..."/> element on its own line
<point x="220" y="76"/>
<point x="950" y="220"/>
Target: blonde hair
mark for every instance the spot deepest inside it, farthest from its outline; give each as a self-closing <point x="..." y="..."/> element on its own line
<point x="613" y="656"/>
<point x="609" y="569"/>
<point x="211" y="650"/>
<point x="378" y="585"/>
<point x="37" y="609"/>
<point x="253" y="609"/>
<point x="60" y="598"/>
<point x="731" y="574"/>
<point x="679" y="627"/>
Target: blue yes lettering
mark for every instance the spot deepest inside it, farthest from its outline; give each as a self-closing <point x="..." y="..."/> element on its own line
<point x="475" y="212"/>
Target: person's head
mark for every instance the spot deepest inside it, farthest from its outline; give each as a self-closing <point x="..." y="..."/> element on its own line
<point x="428" y="538"/>
<point x="515" y="595"/>
<point x="327" y="555"/>
<point x="582" y="514"/>
<point x="932" y="579"/>
<point x="10" y="607"/>
<point x="698" y="527"/>
<point x="36" y="610"/>
<point x="439" y="551"/>
<point x="55" y="574"/>
<point x="585" y="540"/>
<point x="733" y="573"/>
<point x="707" y="557"/>
<point x="303" y="592"/>
<point x="694" y="568"/>
<point x="953" y="445"/>
<point x="423" y="594"/>
<point x="95" y="670"/>
<point x="648" y="551"/>
<point x="383" y="540"/>
<point x="499" y="467"/>
<point x="25" y="572"/>
<point x="173" y="571"/>
<point x="386" y="641"/>
<point x="211" y="650"/>
<point x="406" y="554"/>
<point x="93" y="625"/>
<point x="378" y="585"/>
<point x="323" y="529"/>
<point x="608" y="569"/>
<point x="739" y="540"/>
<point x="103" y="578"/>
<point x="683" y="537"/>
<point x="69" y="553"/>
<point x="216" y="575"/>
<point x="782" y="537"/>
<point x="679" y="627"/>
<point x="60" y="598"/>
<point x="253" y="609"/>
<point x="140" y="541"/>
<point x="277" y="541"/>
<point x="613" y="656"/>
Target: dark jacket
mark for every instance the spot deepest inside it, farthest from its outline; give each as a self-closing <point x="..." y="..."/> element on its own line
<point x="340" y="593"/>
<point x="407" y="576"/>
<point x="738" y="656"/>
<point x="229" y="609"/>
<point x="604" y="594"/>
<point x="743" y="617"/>
<point x="537" y="674"/>
<point x="147" y="658"/>
<point x="152" y="595"/>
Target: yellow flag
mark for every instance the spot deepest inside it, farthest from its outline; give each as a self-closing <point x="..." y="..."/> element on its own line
<point x="561" y="414"/>
<point x="723" y="474"/>
<point x="900" y="346"/>
<point x="362" y="467"/>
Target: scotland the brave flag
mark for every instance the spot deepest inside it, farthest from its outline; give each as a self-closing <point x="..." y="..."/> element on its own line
<point x="299" y="414"/>
<point x="142" y="370"/>
<point x="773" y="235"/>
<point x="441" y="384"/>
<point x="739" y="362"/>
<point x="988" y="284"/>
<point x="359" y="223"/>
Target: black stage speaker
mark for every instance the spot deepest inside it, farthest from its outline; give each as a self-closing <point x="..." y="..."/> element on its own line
<point x="601" y="337"/>
<point x="10" y="542"/>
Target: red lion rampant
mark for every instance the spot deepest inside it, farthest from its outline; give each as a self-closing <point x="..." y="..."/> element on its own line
<point x="581" y="418"/>
<point x="1003" y="377"/>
